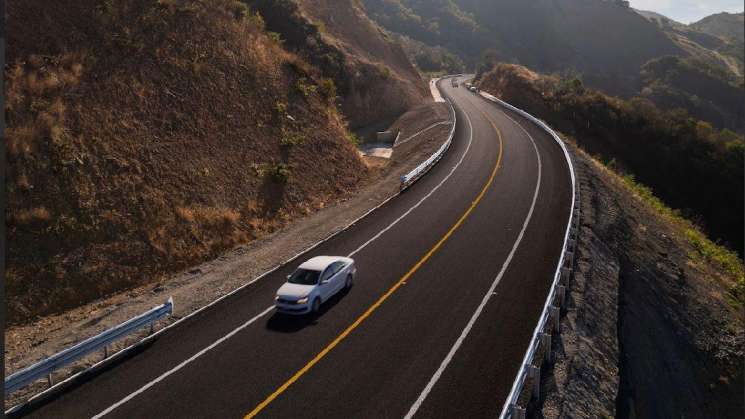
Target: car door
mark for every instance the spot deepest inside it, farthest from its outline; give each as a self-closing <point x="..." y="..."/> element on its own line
<point x="326" y="284"/>
<point x="337" y="279"/>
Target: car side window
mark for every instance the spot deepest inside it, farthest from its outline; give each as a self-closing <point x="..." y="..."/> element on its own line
<point x="338" y="266"/>
<point x="332" y="270"/>
<point x="326" y="274"/>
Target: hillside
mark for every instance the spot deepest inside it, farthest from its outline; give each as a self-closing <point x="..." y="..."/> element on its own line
<point x="724" y="25"/>
<point x="672" y="82"/>
<point x="373" y="76"/>
<point x="546" y="35"/>
<point x="144" y="137"/>
<point x="437" y="23"/>
<point x="708" y="80"/>
<point x="688" y="164"/>
<point x="622" y="57"/>
<point x="720" y="49"/>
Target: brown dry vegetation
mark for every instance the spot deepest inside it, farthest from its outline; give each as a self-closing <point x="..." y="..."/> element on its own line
<point x="393" y="85"/>
<point x="146" y="136"/>
<point x="373" y="76"/>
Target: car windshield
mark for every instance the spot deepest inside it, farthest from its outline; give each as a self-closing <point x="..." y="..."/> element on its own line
<point x="304" y="277"/>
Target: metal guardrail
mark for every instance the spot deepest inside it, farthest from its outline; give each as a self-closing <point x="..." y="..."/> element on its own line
<point x="414" y="175"/>
<point x="45" y="367"/>
<point x="511" y="408"/>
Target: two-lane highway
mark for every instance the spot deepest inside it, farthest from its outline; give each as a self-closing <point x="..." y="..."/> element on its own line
<point x="452" y="276"/>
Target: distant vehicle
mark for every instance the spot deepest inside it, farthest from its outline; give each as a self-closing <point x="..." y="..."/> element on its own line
<point x="313" y="283"/>
<point x="468" y="86"/>
<point x="473" y="88"/>
<point x="454" y="83"/>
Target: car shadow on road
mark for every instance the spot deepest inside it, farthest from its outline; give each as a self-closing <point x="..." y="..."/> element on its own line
<point x="288" y="323"/>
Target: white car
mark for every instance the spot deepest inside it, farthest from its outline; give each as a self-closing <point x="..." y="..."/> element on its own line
<point x="313" y="283"/>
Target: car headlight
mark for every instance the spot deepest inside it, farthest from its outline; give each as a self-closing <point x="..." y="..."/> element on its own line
<point x="302" y="300"/>
<point x="276" y="298"/>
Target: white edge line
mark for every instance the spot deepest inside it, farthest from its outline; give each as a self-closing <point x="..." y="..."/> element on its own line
<point x="148" y="338"/>
<point x="519" y="379"/>
<point x="449" y="357"/>
<point x="183" y="364"/>
<point x="462" y="157"/>
<point x="411" y="137"/>
<point x="415" y="174"/>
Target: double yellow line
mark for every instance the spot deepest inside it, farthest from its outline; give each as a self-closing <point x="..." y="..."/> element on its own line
<point x="281" y="389"/>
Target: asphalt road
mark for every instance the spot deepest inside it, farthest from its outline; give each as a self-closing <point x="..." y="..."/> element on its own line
<point x="452" y="276"/>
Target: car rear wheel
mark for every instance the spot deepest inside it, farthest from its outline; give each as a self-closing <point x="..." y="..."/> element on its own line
<point x="348" y="283"/>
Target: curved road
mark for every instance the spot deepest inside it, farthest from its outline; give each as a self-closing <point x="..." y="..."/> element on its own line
<point x="452" y="276"/>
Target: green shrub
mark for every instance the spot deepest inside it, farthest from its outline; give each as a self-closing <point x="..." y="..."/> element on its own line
<point x="353" y="138"/>
<point x="385" y="71"/>
<point x="290" y="139"/>
<point x="239" y="10"/>
<point x="280" y="173"/>
<point x="328" y="89"/>
<point x="276" y="37"/>
<point x="305" y="87"/>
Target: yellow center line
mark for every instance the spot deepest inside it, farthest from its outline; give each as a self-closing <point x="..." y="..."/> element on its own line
<point x="281" y="389"/>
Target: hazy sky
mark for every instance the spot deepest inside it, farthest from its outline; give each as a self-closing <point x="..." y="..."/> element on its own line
<point x="688" y="11"/>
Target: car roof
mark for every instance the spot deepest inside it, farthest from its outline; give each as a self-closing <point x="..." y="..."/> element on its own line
<point x="320" y="263"/>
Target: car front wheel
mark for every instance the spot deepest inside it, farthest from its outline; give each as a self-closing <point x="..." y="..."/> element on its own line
<point x="316" y="306"/>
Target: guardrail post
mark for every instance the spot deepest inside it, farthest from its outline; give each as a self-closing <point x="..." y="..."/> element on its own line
<point x="565" y="276"/>
<point x="546" y="343"/>
<point x="50" y="380"/>
<point x="555" y="314"/>
<point x="569" y="259"/>
<point x="535" y="374"/>
<point x="561" y="293"/>
<point x="152" y="327"/>
<point x="105" y="351"/>
<point x="517" y="412"/>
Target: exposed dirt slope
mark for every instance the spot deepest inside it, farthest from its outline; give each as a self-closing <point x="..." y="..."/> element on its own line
<point x="650" y="329"/>
<point x="366" y="46"/>
<point x="373" y="75"/>
<point x="147" y="136"/>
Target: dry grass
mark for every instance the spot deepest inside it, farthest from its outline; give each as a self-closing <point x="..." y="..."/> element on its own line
<point x="30" y="216"/>
<point x="20" y="140"/>
<point x="140" y="168"/>
<point x="216" y="218"/>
